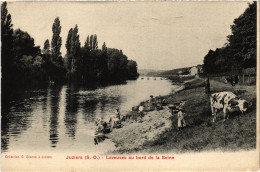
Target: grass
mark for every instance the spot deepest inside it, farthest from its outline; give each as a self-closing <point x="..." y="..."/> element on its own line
<point x="176" y="79"/>
<point x="239" y="132"/>
<point x="248" y="80"/>
<point x="194" y="83"/>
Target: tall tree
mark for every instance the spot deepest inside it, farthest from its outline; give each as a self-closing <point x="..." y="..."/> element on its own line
<point x="94" y="43"/>
<point x="75" y="51"/>
<point x="87" y="43"/>
<point x="6" y="40"/>
<point x="240" y="50"/>
<point x="68" y="42"/>
<point x="56" y="42"/>
<point x="91" y="42"/>
<point x="243" y="38"/>
<point x="85" y="59"/>
<point x="68" y="47"/>
<point x="104" y="47"/>
<point x="46" y="47"/>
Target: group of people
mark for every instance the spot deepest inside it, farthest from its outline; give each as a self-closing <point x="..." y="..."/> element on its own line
<point x="104" y="126"/>
<point x="157" y="102"/>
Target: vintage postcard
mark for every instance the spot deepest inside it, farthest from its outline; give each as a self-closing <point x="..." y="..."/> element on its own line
<point x="130" y="86"/>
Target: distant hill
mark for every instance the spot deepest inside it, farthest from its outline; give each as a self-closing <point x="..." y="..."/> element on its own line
<point x="176" y="71"/>
<point x="149" y="72"/>
<point x="152" y="72"/>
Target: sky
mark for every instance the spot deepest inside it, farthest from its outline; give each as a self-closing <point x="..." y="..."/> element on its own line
<point x="157" y="35"/>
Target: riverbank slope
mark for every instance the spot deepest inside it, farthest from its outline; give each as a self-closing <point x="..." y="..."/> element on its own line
<point x="239" y="132"/>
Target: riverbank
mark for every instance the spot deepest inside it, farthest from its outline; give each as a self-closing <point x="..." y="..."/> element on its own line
<point x="239" y="132"/>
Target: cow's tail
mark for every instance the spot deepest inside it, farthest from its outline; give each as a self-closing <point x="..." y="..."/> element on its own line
<point x="210" y="96"/>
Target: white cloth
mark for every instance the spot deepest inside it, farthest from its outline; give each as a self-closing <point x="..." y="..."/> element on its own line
<point x="141" y="108"/>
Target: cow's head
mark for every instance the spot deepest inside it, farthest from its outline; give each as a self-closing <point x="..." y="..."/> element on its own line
<point x="238" y="104"/>
<point x="243" y="105"/>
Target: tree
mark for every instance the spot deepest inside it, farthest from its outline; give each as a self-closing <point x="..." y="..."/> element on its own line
<point x="243" y="38"/>
<point x="68" y="42"/>
<point x="87" y="44"/>
<point x="104" y="47"/>
<point x="208" y="66"/>
<point x="85" y="59"/>
<point x="7" y="42"/>
<point x="116" y="64"/>
<point x="94" y="43"/>
<point x="56" y="42"/>
<point x="23" y="44"/>
<point x="73" y="52"/>
<point x="132" y="69"/>
<point x="46" y="47"/>
<point x="68" y="47"/>
<point x="240" y="50"/>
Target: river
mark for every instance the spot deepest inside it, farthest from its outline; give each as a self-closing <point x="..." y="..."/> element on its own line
<point x="57" y="118"/>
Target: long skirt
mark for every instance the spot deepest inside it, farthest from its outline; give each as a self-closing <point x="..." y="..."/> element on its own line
<point x="181" y="123"/>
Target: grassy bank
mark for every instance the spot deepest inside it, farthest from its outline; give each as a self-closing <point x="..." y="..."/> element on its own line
<point x="239" y="132"/>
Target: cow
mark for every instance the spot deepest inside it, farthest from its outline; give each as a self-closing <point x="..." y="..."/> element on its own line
<point x="233" y="80"/>
<point x="227" y="101"/>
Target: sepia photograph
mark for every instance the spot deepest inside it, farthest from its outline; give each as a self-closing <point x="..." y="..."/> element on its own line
<point x="129" y="86"/>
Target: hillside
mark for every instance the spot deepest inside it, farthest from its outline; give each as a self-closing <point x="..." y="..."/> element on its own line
<point x="201" y="134"/>
<point x="238" y="132"/>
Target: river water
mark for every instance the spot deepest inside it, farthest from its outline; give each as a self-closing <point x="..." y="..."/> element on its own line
<point x="58" y="118"/>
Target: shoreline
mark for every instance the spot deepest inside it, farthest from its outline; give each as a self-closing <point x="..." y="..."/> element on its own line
<point x="164" y="125"/>
<point x="199" y="135"/>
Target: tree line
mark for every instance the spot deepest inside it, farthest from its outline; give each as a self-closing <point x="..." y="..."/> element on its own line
<point x="240" y="50"/>
<point x="22" y="61"/>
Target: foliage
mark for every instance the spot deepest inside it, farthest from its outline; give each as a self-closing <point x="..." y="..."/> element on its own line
<point x="132" y="69"/>
<point x="243" y="38"/>
<point x="24" y="44"/>
<point x="46" y="48"/>
<point x="56" y="42"/>
<point x="73" y="52"/>
<point x="23" y="61"/>
<point x="240" y="50"/>
<point x="7" y="43"/>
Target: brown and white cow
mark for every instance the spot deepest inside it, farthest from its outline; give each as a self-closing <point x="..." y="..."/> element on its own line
<point x="227" y="101"/>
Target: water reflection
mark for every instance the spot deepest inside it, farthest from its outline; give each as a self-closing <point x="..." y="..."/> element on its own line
<point x="54" y="97"/>
<point x="44" y="106"/>
<point x="72" y="106"/>
<point x="62" y="117"/>
<point x="15" y="123"/>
